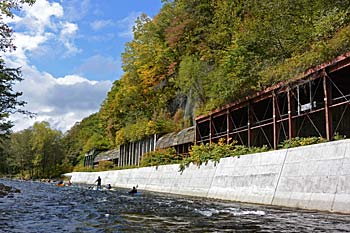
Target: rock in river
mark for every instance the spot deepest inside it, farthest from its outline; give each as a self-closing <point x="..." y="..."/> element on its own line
<point x="5" y="190"/>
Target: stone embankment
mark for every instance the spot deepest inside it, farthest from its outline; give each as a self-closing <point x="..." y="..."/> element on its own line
<point x="310" y="177"/>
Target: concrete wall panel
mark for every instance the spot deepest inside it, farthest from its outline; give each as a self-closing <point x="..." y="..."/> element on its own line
<point x="249" y="178"/>
<point x="310" y="177"/>
<point x="162" y="178"/>
<point x="199" y="179"/>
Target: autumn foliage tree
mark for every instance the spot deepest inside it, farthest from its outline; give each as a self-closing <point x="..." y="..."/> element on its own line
<point x="197" y="55"/>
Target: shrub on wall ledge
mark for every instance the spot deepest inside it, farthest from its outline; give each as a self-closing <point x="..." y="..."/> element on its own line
<point x="161" y="157"/>
<point x="202" y="153"/>
<point x="299" y="141"/>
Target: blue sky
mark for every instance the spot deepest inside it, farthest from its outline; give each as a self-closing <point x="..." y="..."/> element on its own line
<point x="70" y="54"/>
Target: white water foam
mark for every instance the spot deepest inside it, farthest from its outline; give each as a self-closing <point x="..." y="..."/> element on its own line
<point x="208" y="212"/>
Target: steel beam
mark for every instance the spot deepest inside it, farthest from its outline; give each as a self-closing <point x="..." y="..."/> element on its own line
<point x="327" y="110"/>
<point x="275" y="116"/>
<point x="291" y="111"/>
<point x="250" y="122"/>
<point x="228" y="126"/>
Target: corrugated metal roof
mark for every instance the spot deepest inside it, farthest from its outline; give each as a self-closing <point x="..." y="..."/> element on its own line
<point x="179" y="138"/>
<point x="107" y="155"/>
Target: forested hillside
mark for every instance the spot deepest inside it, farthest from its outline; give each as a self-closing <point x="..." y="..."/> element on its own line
<point x="196" y="55"/>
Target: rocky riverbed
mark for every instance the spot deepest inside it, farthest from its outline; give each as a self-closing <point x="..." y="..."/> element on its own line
<point x="7" y="190"/>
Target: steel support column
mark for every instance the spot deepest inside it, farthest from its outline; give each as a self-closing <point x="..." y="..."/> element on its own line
<point x="120" y="156"/>
<point x="196" y="134"/>
<point x="250" y="121"/>
<point x="275" y="117"/>
<point x="291" y="111"/>
<point x="228" y="126"/>
<point x="211" y="129"/>
<point x="327" y="110"/>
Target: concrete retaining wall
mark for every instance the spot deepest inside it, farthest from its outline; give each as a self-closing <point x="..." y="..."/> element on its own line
<point x="310" y="177"/>
<point x="316" y="177"/>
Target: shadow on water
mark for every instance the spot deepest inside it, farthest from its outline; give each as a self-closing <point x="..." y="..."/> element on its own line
<point x="43" y="207"/>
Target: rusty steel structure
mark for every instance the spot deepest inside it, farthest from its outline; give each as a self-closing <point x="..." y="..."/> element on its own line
<point x="315" y="103"/>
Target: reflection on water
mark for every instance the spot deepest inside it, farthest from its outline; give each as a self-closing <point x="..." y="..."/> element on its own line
<point x="42" y="207"/>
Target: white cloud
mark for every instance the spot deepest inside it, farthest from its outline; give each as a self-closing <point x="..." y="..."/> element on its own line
<point x="76" y="9"/>
<point x="43" y="24"/>
<point x="14" y="19"/>
<point x="26" y="43"/>
<point x="73" y="79"/>
<point x="39" y="16"/>
<point x="127" y="24"/>
<point x="100" y="66"/>
<point x="99" y="24"/>
<point x="101" y="38"/>
<point x="60" y="101"/>
<point x="67" y="35"/>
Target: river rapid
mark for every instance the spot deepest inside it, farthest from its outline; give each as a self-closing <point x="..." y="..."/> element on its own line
<point x="44" y="207"/>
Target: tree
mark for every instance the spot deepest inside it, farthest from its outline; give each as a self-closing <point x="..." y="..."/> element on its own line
<point x="110" y="114"/>
<point x="47" y="149"/>
<point x="36" y="152"/>
<point x="9" y="102"/>
<point x="21" y="153"/>
<point x="201" y="54"/>
<point x="84" y="136"/>
<point x="193" y="79"/>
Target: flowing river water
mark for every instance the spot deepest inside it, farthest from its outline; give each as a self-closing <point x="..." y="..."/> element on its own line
<point x="44" y="207"/>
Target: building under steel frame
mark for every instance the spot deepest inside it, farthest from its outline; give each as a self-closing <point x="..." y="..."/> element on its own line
<point x="315" y="103"/>
<point x="131" y="153"/>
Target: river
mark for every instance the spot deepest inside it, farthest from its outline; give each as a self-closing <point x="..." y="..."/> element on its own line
<point x="44" y="207"/>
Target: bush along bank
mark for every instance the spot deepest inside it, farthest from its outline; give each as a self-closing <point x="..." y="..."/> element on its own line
<point x="202" y="153"/>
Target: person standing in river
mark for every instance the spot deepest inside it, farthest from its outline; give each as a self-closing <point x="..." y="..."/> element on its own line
<point x="133" y="190"/>
<point x="98" y="183"/>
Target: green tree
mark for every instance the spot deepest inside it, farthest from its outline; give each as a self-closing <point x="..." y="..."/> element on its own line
<point x="21" y="153"/>
<point x="193" y="79"/>
<point x="36" y="152"/>
<point x="84" y="136"/>
<point x="47" y="148"/>
<point x="9" y="102"/>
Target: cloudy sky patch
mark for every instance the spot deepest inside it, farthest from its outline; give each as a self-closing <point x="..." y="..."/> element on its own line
<point x="53" y="99"/>
<point x="126" y="25"/>
<point x="69" y="52"/>
<point x="99" y="24"/>
<point x="100" y="66"/>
